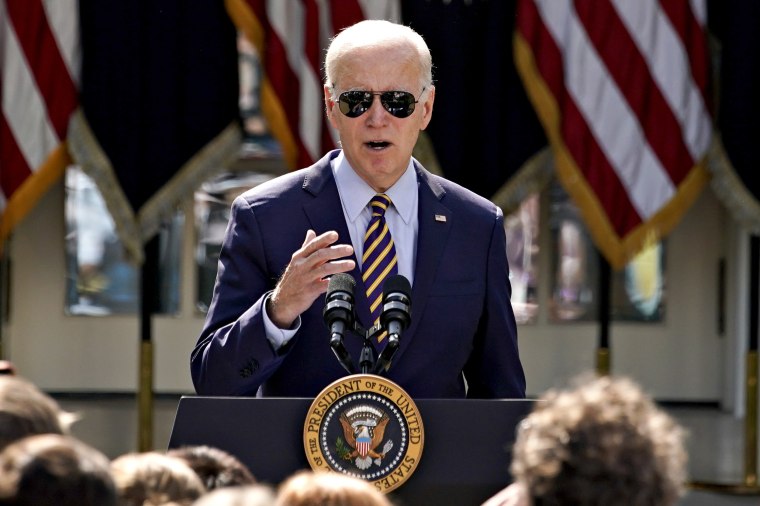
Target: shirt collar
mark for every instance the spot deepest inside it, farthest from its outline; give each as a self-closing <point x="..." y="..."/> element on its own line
<point x="356" y="193"/>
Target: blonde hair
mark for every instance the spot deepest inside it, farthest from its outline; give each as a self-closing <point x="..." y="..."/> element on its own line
<point x="328" y="489"/>
<point x="153" y="479"/>
<point x="239" y="495"/>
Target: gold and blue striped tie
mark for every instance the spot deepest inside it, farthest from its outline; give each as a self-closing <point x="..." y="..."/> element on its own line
<point x="379" y="261"/>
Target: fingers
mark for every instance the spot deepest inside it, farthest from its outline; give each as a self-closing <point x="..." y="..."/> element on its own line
<point x="310" y="235"/>
<point x="304" y="277"/>
<point x="312" y="243"/>
<point x="334" y="267"/>
<point x="318" y="250"/>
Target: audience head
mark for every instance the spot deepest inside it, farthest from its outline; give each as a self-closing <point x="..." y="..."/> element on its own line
<point x="215" y="467"/>
<point x="153" y="479"/>
<point x="244" y="495"/>
<point x="7" y="368"/>
<point x="54" y="469"/>
<point x="25" y="410"/>
<point x="601" y="441"/>
<point x="328" y="489"/>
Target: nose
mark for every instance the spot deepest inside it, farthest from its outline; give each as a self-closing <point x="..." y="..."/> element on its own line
<point x="376" y="114"/>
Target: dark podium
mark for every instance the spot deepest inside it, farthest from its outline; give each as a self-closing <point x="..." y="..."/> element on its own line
<point x="465" y="459"/>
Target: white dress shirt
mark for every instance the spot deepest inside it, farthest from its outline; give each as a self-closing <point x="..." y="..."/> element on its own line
<point x="401" y="217"/>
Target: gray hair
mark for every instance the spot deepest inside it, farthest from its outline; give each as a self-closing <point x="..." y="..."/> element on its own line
<point x="378" y="33"/>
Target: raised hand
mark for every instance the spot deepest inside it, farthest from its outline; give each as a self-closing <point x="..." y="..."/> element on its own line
<point x="305" y="276"/>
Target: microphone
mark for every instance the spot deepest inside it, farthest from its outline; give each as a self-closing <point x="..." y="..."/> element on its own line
<point x="339" y="314"/>
<point x="395" y="318"/>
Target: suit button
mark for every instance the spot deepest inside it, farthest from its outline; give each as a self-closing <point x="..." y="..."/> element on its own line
<point x="251" y="367"/>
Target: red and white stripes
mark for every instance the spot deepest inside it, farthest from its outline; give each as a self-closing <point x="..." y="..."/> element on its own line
<point x="291" y="38"/>
<point x="39" y="69"/>
<point x="621" y="88"/>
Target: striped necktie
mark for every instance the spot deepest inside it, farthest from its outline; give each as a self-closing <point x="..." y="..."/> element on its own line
<point x="379" y="261"/>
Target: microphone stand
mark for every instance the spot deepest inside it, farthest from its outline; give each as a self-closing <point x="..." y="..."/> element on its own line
<point x="368" y="355"/>
<point x="369" y="361"/>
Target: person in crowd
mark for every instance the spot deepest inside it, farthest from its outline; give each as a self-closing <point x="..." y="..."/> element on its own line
<point x="307" y="488"/>
<point x="26" y="410"/>
<point x="155" y="479"/>
<point x="598" y="442"/>
<point x="371" y="210"/>
<point x="215" y="467"/>
<point x="241" y="495"/>
<point x="7" y="368"/>
<point x="57" y="470"/>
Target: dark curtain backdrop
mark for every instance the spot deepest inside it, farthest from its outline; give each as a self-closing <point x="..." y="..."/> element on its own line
<point x="483" y="127"/>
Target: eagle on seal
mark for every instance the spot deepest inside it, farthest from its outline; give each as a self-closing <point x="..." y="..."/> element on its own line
<point x="365" y="438"/>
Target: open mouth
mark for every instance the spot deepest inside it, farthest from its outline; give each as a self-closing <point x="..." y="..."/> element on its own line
<point x="378" y="145"/>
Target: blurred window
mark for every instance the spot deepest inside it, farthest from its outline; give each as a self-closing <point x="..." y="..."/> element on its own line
<point x="100" y="280"/>
<point x="522" y="229"/>
<point x="637" y="291"/>
<point x="257" y="140"/>
<point x="212" y="212"/>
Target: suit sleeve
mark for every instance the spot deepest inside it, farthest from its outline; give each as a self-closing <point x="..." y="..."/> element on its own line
<point x="494" y="369"/>
<point x="233" y="355"/>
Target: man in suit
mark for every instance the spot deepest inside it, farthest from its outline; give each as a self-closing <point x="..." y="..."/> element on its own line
<point x="264" y="331"/>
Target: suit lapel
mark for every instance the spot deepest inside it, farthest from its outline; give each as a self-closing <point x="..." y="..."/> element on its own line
<point x="325" y="212"/>
<point x="433" y="233"/>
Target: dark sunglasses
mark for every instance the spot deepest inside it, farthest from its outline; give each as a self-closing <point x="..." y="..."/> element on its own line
<point x="398" y="103"/>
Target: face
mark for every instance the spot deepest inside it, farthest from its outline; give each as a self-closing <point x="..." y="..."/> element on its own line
<point x="377" y="144"/>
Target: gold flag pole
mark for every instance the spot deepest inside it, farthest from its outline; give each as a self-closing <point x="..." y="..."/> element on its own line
<point x="603" y="361"/>
<point x="603" y="349"/>
<point x="145" y="398"/>
<point x="149" y="302"/>
<point x="750" y="423"/>
<point x="4" y="291"/>
<point x="749" y="486"/>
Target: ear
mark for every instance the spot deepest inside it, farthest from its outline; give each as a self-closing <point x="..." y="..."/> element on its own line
<point x="427" y="107"/>
<point x="329" y="106"/>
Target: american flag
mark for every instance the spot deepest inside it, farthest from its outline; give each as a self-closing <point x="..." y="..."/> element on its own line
<point x="291" y="37"/>
<point x="621" y="88"/>
<point x="39" y="74"/>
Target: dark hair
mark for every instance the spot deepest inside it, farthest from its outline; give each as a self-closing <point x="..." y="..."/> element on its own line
<point x="25" y="410"/>
<point x="55" y="469"/>
<point x="215" y="467"/>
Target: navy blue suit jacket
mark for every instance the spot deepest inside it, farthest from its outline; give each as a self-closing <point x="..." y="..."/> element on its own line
<point x="462" y="320"/>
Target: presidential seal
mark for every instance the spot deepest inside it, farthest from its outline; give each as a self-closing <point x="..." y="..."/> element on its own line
<point x="365" y="426"/>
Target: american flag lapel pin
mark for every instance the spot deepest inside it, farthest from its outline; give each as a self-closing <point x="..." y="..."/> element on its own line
<point x="441" y="218"/>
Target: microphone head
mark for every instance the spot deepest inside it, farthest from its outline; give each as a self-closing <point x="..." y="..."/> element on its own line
<point x="397" y="284"/>
<point x="397" y="300"/>
<point x="341" y="282"/>
<point x="339" y="299"/>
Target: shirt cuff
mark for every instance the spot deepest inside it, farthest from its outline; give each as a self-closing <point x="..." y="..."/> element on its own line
<point x="277" y="336"/>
